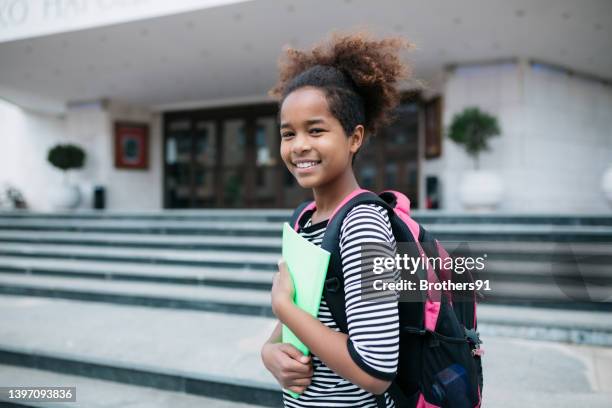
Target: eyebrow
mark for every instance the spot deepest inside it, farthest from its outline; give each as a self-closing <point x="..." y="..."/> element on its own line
<point x="309" y="122"/>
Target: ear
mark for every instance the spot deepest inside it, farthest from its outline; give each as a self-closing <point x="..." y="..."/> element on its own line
<point x="356" y="139"/>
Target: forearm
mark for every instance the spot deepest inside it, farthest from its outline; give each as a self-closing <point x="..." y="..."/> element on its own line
<point x="329" y="346"/>
<point x="275" y="337"/>
<point x="277" y="334"/>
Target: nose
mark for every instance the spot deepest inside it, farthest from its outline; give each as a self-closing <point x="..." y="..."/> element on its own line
<point x="301" y="144"/>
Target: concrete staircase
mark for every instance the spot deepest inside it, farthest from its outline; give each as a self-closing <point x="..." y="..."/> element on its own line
<point x="179" y="300"/>
<point x="186" y="257"/>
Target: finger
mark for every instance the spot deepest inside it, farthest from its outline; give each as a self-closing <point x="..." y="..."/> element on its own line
<point x="294" y="369"/>
<point x="295" y="353"/>
<point x="282" y="268"/>
<point x="294" y="375"/>
<point x="304" y="382"/>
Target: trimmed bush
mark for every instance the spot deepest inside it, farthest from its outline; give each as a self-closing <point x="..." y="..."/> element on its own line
<point x="472" y="129"/>
<point x="66" y="157"/>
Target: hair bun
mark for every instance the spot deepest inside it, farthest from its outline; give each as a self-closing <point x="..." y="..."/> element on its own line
<point x="373" y="66"/>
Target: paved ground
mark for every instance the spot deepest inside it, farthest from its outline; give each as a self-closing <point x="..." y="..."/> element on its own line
<point x="518" y="372"/>
<point x="107" y="394"/>
<point x="529" y="373"/>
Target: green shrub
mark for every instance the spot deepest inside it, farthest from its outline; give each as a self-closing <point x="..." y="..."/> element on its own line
<point x="472" y="128"/>
<point x="66" y="157"/>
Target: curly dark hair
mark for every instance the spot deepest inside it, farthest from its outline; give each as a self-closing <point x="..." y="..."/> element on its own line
<point x="358" y="74"/>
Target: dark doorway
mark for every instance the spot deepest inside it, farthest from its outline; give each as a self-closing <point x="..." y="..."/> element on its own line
<point x="229" y="158"/>
<point x="389" y="161"/>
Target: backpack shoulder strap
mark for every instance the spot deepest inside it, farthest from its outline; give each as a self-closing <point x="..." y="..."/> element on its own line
<point x="298" y="212"/>
<point x="333" y="290"/>
<point x="424" y="235"/>
<point x="428" y="243"/>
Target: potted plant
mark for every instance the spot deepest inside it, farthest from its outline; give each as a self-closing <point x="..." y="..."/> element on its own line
<point x="472" y="129"/>
<point x="66" y="157"/>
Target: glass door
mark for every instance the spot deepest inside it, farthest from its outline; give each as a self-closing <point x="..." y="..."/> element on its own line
<point x="401" y="152"/>
<point x="234" y="162"/>
<point x="389" y="161"/>
<point x="229" y="158"/>
<point x="267" y="163"/>
<point x="178" y="166"/>
<point x="190" y="163"/>
<point x="204" y="161"/>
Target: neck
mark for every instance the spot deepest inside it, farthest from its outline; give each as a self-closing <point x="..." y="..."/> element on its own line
<point x="329" y="196"/>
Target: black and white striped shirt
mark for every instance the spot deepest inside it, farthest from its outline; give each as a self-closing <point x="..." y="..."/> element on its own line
<point x="373" y="326"/>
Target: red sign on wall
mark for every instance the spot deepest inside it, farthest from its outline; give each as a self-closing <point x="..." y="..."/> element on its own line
<point x="131" y="145"/>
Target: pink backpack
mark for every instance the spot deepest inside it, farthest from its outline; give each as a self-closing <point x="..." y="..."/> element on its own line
<point x="440" y="354"/>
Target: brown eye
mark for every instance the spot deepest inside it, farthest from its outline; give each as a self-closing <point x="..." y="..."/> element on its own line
<point x="286" y="135"/>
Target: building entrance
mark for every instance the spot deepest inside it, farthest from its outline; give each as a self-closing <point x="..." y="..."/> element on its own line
<point x="222" y="158"/>
<point x="229" y="158"/>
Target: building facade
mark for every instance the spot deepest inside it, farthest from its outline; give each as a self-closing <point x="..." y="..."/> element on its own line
<point x="195" y="75"/>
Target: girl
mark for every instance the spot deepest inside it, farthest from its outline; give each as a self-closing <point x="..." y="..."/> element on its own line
<point x="331" y="99"/>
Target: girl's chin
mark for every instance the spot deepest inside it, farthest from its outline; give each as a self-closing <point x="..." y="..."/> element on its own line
<point x="308" y="182"/>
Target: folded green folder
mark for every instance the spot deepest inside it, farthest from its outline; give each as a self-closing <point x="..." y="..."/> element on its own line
<point x="307" y="265"/>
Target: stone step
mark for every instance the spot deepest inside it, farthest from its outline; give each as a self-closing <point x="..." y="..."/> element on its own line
<point x="444" y="232"/>
<point x="209" y="354"/>
<point x="247" y="302"/>
<point x="562" y="295"/>
<point x="510" y="284"/>
<point x="597" y="252"/>
<point x="223" y="243"/>
<point x="513" y="316"/>
<point x="281" y="215"/>
<point x="507" y="258"/>
<point x="545" y="272"/>
<point x="139" y="272"/>
<point x="520" y="233"/>
<point x="222" y="214"/>
<point x="212" y="258"/>
<point x="188" y="227"/>
<point x="496" y="271"/>
<point x="96" y="393"/>
<point x="257" y="302"/>
<point x="443" y="217"/>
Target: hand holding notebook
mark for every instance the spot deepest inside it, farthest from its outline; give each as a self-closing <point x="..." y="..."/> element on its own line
<point x="307" y="264"/>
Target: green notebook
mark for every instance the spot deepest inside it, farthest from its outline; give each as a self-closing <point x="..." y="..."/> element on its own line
<point x="307" y="265"/>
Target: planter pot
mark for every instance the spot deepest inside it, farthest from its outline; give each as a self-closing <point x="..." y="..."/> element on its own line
<point x="480" y="190"/>
<point x="606" y="184"/>
<point x="65" y="197"/>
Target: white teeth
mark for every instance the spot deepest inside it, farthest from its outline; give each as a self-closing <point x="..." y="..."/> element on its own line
<point x="306" y="165"/>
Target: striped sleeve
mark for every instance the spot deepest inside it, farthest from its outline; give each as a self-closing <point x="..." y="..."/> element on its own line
<point x="373" y="322"/>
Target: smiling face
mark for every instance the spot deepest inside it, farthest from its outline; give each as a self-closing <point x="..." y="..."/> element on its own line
<point x="314" y="146"/>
